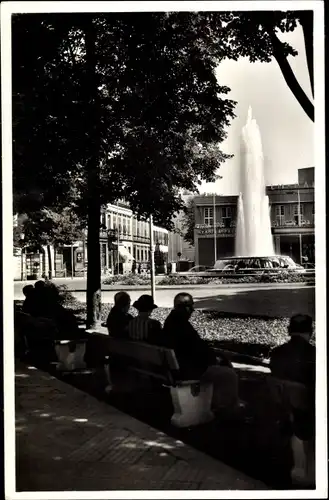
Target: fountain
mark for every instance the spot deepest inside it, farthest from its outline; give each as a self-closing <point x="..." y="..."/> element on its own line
<point x="253" y="235"/>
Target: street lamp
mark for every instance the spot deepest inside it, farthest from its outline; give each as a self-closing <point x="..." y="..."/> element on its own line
<point x="214" y="218"/>
<point x="110" y="244"/>
<point x="22" y="238"/>
<point x="152" y="257"/>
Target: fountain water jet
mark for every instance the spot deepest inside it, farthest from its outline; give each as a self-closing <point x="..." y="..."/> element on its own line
<point x="253" y="234"/>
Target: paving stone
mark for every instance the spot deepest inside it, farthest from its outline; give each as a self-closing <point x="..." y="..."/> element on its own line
<point x="67" y="440"/>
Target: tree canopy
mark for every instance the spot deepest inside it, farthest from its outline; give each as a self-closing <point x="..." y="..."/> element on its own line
<point x="160" y="114"/>
<point x="188" y="223"/>
<point x="46" y="227"/>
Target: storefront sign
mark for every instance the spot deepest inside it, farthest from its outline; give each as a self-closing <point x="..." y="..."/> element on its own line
<point x="219" y="230"/>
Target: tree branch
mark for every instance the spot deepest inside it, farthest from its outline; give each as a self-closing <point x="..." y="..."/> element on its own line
<point x="306" y="21"/>
<point x="289" y="76"/>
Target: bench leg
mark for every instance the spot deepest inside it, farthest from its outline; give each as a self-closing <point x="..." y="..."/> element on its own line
<point x="303" y="471"/>
<point x="70" y="361"/>
<point x="109" y="386"/>
<point x="191" y="409"/>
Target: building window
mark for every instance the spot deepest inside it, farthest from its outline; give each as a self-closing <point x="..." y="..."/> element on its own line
<point x="279" y="214"/>
<point x="138" y="255"/>
<point x="227" y="216"/>
<point x="226" y="212"/>
<point x="103" y="255"/>
<point x="103" y="220"/>
<point x="208" y="216"/>
<point x="124" y="225"/>
<point x="296" y="218"/>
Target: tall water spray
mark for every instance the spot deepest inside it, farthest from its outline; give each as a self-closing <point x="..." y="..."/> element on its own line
<point x="253" y="234"/>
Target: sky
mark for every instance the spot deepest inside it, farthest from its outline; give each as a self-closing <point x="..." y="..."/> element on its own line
<point x="286" y="131"/>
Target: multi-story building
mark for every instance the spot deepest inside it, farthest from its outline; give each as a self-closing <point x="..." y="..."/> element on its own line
<point x="292" y="221"/>
<point x="121" y="229"/>
<point x="121" y="235"/>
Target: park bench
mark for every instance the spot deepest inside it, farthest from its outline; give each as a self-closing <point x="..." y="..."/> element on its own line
<point x="191" y="399"/>
<point x="40" y="337"/>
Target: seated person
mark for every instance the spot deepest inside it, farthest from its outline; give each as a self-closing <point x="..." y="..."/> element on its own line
<point x="295" y="361"/>
<point x="66" y="322"/>
<point x="119" y="318"/>
<point x="44" y="300"/>
<point x="29" y="302"/>
<point x="196" y="359"/>
<point x="142" y="327"/>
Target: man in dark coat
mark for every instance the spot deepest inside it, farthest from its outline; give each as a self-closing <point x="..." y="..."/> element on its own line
<point x="196" y="359"/>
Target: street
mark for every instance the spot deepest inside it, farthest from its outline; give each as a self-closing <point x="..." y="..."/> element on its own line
<point x="273" y="300"/>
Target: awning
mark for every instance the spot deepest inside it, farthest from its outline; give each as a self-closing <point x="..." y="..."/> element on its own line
<point x="125" y="254"/>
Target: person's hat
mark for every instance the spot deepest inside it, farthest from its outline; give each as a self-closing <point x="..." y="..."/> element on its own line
<point x="145" y="303"/>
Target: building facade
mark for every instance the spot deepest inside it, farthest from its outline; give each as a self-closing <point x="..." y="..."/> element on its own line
<point x="292" y="221"/>
<point x="124" y="243"/>
<point x="122" y="230"/>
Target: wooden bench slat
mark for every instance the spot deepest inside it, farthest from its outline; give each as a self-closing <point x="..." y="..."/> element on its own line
<point x="149" y="373"/>
<point x="140" y="351"/>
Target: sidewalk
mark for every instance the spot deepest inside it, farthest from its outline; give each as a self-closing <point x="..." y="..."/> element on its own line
<point x="67" y="440"/>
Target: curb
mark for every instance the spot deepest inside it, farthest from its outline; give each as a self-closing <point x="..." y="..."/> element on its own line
<point x="266" y="286"/>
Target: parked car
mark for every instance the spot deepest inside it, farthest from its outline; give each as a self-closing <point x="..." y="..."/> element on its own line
<point x="255" y="265"/>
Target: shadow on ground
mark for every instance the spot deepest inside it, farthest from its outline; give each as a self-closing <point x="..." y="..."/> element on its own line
<point x="256" y="445"/>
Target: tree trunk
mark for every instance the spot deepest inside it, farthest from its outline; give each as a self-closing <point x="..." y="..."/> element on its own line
<point x="289" y="76"/>
<point x="306" y="20"/>
<point x="50" y="267"/>
<point x="94" y="265"/>
<point x="93" y="167"/>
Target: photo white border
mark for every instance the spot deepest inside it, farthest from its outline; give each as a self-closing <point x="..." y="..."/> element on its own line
<point x="9" y="8"/>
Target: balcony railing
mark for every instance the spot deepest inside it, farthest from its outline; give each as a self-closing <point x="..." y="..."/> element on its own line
<point x="114" y="233"/>
<point x="292" y="223"/>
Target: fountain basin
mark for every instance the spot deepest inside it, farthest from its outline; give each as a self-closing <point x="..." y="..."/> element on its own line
<point x="256" y="265"/>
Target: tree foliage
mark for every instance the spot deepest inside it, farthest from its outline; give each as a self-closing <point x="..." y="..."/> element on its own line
<point x="46" y="227"/>
<point x="188" y="223"/>
<point x="160" y="115"/>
